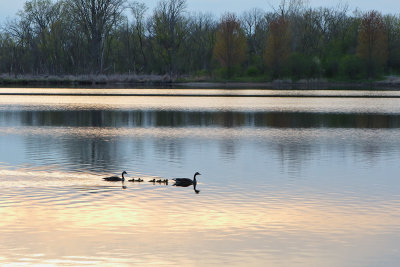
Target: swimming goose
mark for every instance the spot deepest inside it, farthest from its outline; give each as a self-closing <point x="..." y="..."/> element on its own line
<point x="152" y="181"/>
<point x="186" y="181"/>
<point x="115" y="178"/>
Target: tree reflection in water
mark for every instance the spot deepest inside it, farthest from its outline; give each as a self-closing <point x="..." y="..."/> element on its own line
<point x="168" y="118"/>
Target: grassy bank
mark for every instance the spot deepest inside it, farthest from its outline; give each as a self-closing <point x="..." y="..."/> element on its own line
<point x="85" y="80"/>
<point x="125" y="80"/>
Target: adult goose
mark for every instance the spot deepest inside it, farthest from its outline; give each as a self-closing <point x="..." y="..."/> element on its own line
<point x="115" y="178"/>
<point x="184" y="182"/>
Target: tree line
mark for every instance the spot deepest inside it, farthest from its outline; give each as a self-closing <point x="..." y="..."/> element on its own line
<point x="291" y="40"/>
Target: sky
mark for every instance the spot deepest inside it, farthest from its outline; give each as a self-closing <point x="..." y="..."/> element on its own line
<point x="8" y="8"/>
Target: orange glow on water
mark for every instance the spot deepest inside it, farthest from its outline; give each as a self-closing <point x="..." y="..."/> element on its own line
<point x="71" y="219"/>
<point x="201" y="103"/>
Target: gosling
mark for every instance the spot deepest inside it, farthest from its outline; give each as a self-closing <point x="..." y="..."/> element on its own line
<point x="136" y="180"/>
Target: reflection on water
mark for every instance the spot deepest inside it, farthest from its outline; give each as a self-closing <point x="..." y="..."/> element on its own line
<point x="157" y="151"/>
<point x="291" y="187"/>
<point x="290" y="104"/>
<point x="151" y="118"/>
<point x="209" y="92"/>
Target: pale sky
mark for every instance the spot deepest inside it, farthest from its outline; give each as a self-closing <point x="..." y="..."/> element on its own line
<point x="8" y="8"/>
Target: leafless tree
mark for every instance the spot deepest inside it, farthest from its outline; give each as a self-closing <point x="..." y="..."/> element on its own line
<point x="96" y="19"/>
<point x="169" y="30"/>
<point x="138" y="11"/>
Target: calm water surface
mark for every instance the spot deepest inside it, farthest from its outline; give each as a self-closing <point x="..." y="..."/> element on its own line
<point x="285" y="181"/>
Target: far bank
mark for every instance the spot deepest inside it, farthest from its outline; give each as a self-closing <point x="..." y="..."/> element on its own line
<point x="167" y="81"/>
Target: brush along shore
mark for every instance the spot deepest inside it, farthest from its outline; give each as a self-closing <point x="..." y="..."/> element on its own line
<point x="123" y="80"/>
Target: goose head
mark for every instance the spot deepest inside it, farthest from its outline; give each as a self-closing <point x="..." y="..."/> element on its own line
<point x="124" y="172"/>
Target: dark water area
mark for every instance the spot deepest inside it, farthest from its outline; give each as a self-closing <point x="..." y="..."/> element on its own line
<point x="172" y="118"/>
<point x="285" y="181"/>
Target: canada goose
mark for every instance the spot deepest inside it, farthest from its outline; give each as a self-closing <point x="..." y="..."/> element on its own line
<point x="115" y="178"/>
<point x="184" y="182"/>
<point x="152" y="181"/>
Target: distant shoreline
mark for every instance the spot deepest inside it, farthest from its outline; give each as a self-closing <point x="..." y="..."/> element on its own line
<point x="203" y="95"/>
<point x="165" y="81"/>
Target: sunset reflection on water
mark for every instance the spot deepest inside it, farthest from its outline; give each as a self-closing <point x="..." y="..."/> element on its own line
<point x="281" y="184"/>
<point x="104" y="223"/>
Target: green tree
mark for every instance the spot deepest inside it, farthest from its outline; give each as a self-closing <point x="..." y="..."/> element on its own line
<point x="303" y="66"/>
<point x="352" y="67"/>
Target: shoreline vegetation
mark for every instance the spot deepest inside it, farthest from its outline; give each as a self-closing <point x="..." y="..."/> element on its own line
<point x="167" y="81"/>
<point x="289" y="46"/>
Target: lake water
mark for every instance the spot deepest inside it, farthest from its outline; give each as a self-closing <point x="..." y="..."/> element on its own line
<point x="286" y="181"/>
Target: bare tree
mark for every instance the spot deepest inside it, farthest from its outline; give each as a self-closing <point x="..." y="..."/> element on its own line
<point x="289" y="8"/>
<point x="169" y="30"/>
<point x="42" y="16"/>
<point x="255" y="26"/>
<point x="138" y="11"/>
<point x="200" y="41"/>
<point x="96" y="18"/>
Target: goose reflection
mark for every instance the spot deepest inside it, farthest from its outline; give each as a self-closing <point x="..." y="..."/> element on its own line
<point x="195" y="190"/>
<point x="115" y="178"/>
<point x="185" y="182"/>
